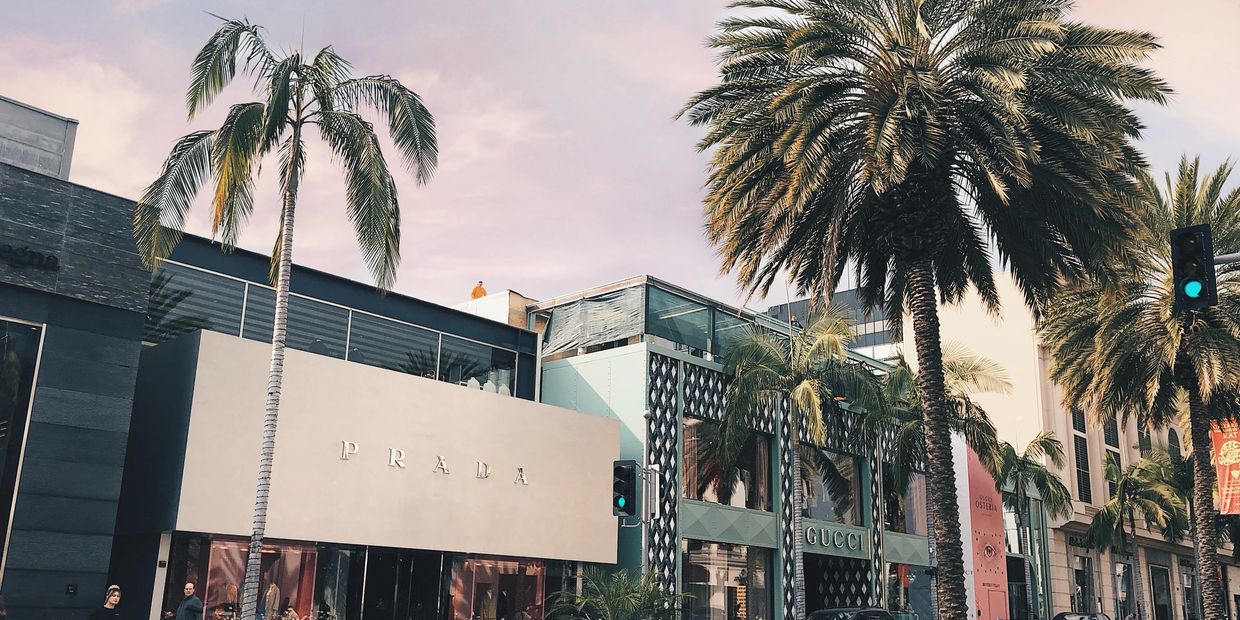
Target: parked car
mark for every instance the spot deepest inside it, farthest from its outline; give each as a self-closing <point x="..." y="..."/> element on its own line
<point x="852" y="613"/>
<point x="1072" y="615"/>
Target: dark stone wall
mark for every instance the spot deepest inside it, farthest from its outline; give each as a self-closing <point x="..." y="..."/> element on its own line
<point x="92" y="309"/>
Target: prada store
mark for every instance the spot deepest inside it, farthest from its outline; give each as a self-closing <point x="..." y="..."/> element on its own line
<point x="393" y="496"/>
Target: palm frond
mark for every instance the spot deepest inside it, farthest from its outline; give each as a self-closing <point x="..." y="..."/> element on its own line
<point x="216" y="63"/>
<point x="161" y="209"/>
<point x="411" y="125"/>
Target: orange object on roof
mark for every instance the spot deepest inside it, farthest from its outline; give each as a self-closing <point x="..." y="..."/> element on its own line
<point x="479" y="291"/>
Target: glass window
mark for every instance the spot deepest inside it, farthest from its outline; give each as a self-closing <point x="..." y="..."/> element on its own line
<point x="1083" y="591"/>
<point x="477" y="366"/>
<point x="183" y="300"/>
<point x="497" y="589"/>
<point x="312" y="326"/>
<point x="1188" y="583"/>
<point x="908" y="587"/>
<point x="395" y="346"/>
<point x="19" y="351"/>
<point x="748" y="483"/>
<point x="832" y="486"/>
<point x="725" y="582"/>
<point x="318" y="581"/>
<point x="905" y="509"/>
<point x="1080" y="448"/>
<point x="728" y="329"/>
<point x="1124" y="601"/>
<point x="678" y="319"/>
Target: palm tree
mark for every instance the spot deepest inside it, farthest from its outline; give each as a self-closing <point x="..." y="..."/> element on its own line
<point x="1126" y="350"/>
<point x="1141" y="489"/>
<point x="298" y="93"/>
<point x="1025" y="470"/>
<point x="904" y="138"/>
<point x="810" y="369"/>
<point x="965" y="374"/>
<point x="622" y="595"/>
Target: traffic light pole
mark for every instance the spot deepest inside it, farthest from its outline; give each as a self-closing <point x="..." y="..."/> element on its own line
<point x="1227" y="259"/>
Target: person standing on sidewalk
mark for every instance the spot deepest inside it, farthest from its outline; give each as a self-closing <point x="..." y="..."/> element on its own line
<point x="111" y="599"/>
<point x="190" y="607"/>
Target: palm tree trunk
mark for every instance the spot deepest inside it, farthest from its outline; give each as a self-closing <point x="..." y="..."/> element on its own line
<point x="275" y="378"/>
<point x="1138" y="594"/>
<point x="942" y="508"/>
<point x="798" y="540"/>
<point x="1203" y="503"/>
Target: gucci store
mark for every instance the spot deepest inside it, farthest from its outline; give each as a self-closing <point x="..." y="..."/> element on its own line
<point x="393" y="495"/>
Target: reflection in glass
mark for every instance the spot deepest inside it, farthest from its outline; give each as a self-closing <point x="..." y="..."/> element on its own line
<point x="728" y="329"/>
<point x="1125" y="604"/>
<point x="395" y="346"/>
<point x="725" y="582"/>
<point x="832" y="486"/>
<point x="677" y="319"/>
<point x="1083" y="593"/>
<point x="905" y="508"/>
<point x="744" y="484"/>
<point x="477" y="366"/>
<point x="312" y="326"/>
<point x="183" y="300"/>
<point x="19" y="351"/>
<point x="322" y="582"/>
<point x="908" y="587"/>
<point x="497" y="589"/>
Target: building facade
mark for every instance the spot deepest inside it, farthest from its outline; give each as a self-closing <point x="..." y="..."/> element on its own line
<point x="414" y="475"/>
<point x="72" y="299"/>
<point x="648" y="353"/>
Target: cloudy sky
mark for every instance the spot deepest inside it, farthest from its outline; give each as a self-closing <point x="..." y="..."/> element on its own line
<point x="561" y="164"/>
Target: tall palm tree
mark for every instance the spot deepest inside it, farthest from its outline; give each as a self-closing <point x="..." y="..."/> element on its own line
<point x="904" y="138"/>
<point x="1141" y="489"/>
<point x="1126" y="350"/>
<point x="299" y="93"/>
<point x="811" y="371"/>
<point x="1026" y="470"/>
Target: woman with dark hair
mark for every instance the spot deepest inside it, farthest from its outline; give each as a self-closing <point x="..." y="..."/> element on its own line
<point x="110" y="600"/>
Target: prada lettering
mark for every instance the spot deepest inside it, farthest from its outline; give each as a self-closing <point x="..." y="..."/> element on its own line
<point x="832" y="538"/>
<point x="396" y="458"/>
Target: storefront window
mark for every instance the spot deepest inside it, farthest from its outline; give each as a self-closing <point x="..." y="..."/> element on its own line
<point x="323" y="582"/>
<point x="1124" y="600"/>
<point x="183" y="300"/>
<point x="908" y="587"/>
<point x="747" y="484"/>
<point x="1083" y="591"/>
<point x="1188" y="583"/>
<point x="495" y="589"/>
<point x="832" y="486"/>
<point x="725" y="582"/>
<point x="387" y="344"/>
<point x="905" y="507"/>
<point x="19" y="351"/>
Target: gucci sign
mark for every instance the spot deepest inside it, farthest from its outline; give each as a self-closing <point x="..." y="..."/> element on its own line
<point x="833" y="538"/>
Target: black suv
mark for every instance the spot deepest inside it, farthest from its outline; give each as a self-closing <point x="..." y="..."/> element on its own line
<point x="852" y="613"/>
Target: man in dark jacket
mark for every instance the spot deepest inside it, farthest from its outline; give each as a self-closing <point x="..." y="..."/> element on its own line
<point x="190" y="607"/>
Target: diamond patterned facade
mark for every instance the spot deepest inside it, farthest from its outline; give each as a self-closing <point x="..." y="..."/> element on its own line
<point x="679" y="388"/>
<point x="662" y="438"/>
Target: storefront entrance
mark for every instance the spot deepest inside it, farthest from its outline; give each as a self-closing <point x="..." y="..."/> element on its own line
<point x="1160" y="584"/>
<point x="402" y="584"/>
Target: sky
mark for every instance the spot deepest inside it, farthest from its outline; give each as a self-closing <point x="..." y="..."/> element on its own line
<point x="562" y="165"/>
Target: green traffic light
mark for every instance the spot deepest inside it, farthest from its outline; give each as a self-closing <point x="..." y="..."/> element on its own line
<point x="1193" y="288"/>
<point x="620" y="502"/>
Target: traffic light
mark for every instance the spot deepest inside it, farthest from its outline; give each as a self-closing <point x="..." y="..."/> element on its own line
<point x="1192" y="267"/>
<point x="624" y="488"/>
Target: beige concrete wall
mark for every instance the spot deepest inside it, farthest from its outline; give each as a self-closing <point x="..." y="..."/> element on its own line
<point x="562" y="513"/>
<point x="1008" y="339"/>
